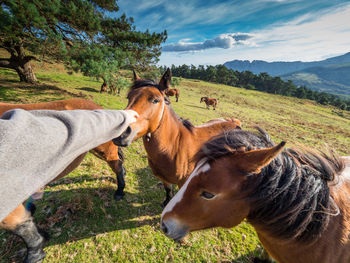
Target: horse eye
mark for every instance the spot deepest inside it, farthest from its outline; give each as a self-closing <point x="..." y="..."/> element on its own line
<point x="155" y="101"/>
<point x="207" y="195"/>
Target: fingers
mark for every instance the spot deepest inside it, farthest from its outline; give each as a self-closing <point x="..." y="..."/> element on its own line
<point x="133" y="115"/>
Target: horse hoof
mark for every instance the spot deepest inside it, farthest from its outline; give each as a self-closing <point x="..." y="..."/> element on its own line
<point x="118" y="196"/>
<point x="35" y="256"/>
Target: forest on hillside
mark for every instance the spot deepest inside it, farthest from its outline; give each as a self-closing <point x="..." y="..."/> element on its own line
<point x="261" y="82"/>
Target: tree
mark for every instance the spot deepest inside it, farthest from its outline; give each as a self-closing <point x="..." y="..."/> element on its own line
<point x="75" y="32"/>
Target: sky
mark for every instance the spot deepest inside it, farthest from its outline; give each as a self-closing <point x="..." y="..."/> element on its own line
<point x="211" y="32"/>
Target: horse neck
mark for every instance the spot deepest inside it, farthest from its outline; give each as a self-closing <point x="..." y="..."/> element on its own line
<point x="170" y="149"/>
<point x="167" y="137"/>
<point x="331" y="245"/>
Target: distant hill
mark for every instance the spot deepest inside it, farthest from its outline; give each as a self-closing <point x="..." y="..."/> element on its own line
<point x="332" y="78"/>
<point x="331" y="75"/>
<point x="281" y="68"/>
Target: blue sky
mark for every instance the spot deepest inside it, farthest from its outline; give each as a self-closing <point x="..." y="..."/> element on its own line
<point x="214" y="31"/>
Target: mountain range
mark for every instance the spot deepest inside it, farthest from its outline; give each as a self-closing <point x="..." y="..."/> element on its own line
<point x="331" y="75"/>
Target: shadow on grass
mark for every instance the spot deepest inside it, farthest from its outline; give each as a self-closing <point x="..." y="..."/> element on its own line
<point x="257" y="256"/>
<point x="89" y="89"/>
<point x="19" y="92"/>
<point x="195" y="106"/>
<point x="86" y="212"/>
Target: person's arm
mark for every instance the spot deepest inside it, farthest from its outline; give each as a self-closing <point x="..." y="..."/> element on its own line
<point x="36" y="146"/>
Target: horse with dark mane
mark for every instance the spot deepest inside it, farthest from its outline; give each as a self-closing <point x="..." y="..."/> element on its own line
<point x="209" y="102"/>
<point x="170" y="142"/>
<point x="297" y="201"/>
<point x="173" y="92"/>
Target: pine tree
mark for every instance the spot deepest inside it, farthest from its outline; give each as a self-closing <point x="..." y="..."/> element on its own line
<point x="75" y="32"/>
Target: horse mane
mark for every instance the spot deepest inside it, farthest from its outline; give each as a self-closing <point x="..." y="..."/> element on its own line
<point x="290" y="198"/>
<point x="140" y="83"/>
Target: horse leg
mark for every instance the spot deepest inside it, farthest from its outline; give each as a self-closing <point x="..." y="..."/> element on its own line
<point x="20" y="222"/>
<point x="177" y="98"/>
<point x="119" y="170"/>
<point x="168" y="193"/>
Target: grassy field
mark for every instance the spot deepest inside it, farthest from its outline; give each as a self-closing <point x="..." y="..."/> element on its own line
<point x="87" y="225"/>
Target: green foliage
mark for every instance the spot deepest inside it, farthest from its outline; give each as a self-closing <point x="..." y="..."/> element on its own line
<point x="77" y="33"/>
<point x="175" y="82"/>
<point x="262" y="82"/>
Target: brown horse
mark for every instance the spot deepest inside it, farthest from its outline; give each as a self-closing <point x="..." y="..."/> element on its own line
<point x="173" y="92"/>
<point x="170" y="142"/>
<point x="297" y="201"/>
<point x="20" y="221"/>
<point x="209" y="102"/>
<point x="104" y="87"/>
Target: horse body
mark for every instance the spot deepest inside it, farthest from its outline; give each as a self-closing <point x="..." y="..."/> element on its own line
<point x="20" y="221"/>
<point x="209" y="102"/>
<point x="173" y="92"/>
<point x="298" y="202"/>
<point x="170" y="142"/>
<point x="171" y="148"/>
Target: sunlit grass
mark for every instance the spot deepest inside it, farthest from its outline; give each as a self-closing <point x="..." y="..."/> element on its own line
<point x="87" y="225"/>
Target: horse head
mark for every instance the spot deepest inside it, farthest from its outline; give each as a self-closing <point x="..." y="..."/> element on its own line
<point x="148" y="100"/>
<point x="214" y="193"/>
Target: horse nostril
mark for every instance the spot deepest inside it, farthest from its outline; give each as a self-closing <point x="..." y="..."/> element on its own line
<point x="164" y="228"/>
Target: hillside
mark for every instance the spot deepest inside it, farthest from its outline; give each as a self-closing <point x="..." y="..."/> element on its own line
<point x="330" y="75"/>
<point x="331" y="79"/>
<point x="281" y="68"/>
<point x="78" y="211"/>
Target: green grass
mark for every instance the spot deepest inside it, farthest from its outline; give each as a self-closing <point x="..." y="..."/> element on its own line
<point x="87" y="225"/>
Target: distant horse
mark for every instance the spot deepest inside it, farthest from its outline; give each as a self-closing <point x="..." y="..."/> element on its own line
<point x="20" y="221"/>
<point x="209" y="102"/>
<point x="173" y="92"/>
<point x="104" y="87"/>
<point x="297" y="201"/>
<point x="170" y="142"/>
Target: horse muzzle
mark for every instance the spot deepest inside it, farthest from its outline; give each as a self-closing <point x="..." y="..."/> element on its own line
<point x="126" y="138"/>
<point x="172" y="229"/>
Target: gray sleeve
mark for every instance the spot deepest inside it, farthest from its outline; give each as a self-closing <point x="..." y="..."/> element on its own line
<point x="36" y="146"/>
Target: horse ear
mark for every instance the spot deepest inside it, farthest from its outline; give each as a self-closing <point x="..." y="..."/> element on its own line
<point x="164" y="83"/>
<point x="252" y="162"/>
<point x="136" y="77"/>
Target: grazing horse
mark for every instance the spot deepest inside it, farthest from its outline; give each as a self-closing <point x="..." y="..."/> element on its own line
<point x="173" y="92"/>
<point x="20" y="221"/>
<point x="170" y="142"/>
<point x="297" y="201"/>
<point x="209" y="102"/>
<point x="104" y="87"/>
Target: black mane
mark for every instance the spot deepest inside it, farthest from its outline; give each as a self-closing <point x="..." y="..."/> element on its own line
<point x="290" y="198"/>
<point x="140" y="83"/>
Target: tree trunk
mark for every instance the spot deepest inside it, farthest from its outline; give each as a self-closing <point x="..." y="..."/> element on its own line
<point x="26" y="73"/>
<point x="20" y="63"/>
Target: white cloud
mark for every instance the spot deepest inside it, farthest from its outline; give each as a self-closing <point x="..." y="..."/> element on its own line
<point x="311" y="37"/>
<point x="222" y="41"/>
